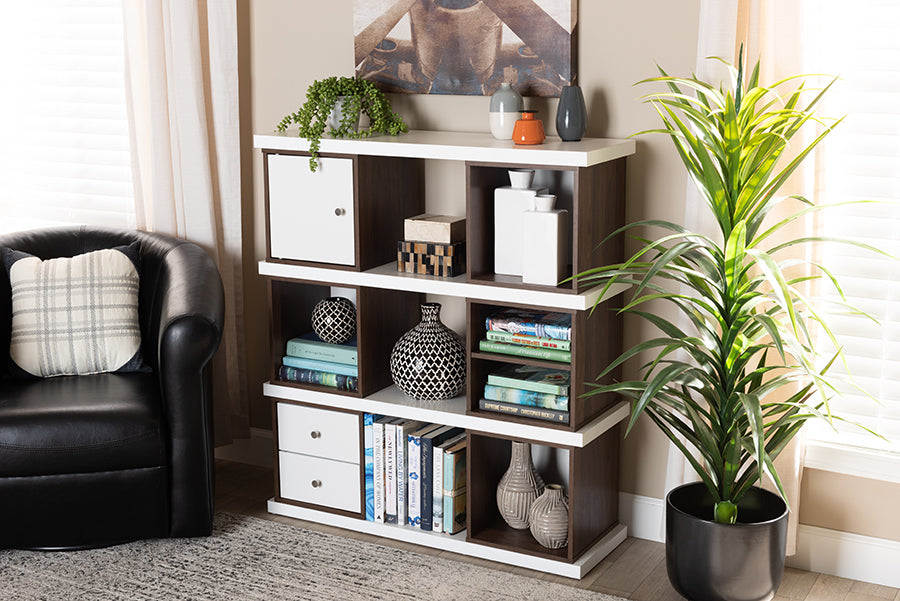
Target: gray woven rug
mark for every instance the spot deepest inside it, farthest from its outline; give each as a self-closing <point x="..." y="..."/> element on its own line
<point x="249" y="558"/>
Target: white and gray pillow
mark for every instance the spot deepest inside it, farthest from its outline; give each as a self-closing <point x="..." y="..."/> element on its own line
<point x="75" y="316"/>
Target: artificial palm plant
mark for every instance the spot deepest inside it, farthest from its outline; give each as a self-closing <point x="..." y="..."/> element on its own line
<point x="717" y="380"/>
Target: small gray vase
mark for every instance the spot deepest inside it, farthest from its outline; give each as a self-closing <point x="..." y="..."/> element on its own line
<point x="571" y="114"/>
<point x="519" y="487"/>
<point x="549" y="518"/>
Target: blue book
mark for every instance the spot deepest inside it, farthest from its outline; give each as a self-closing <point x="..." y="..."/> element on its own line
<point x="426" y="485"/>
<point x="414" y="464"/>
<point x="328" y="366"/>
<point x="310" y="346"/>
<point x="368" y="465"/>
<point x="526" y="397"/>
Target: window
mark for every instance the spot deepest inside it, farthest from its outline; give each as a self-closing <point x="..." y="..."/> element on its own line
<point x="861" y="160"/>
<point x="64" y="148"/>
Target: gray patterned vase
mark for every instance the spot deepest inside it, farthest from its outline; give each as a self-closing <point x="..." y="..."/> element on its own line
<point x="334" y="319"/>
<point x="428" y="363"/>
<point x="549" y="518"/>
<point x="519" y="487"/>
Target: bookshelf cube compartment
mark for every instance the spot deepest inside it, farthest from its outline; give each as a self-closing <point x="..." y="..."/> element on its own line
<point x="594" y="197"/>
<point x="382" y="316"/>
<point x="589" y="475"/>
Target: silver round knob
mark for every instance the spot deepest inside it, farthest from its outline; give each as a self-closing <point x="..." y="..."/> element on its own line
<point x="315" y="434"/>
<point x="340" y="212"/>
<point x="316" y="483"/>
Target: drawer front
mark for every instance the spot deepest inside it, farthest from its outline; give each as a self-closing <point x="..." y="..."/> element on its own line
<point x="318" y="432"/>
<point x="320" y="481"/>
<point x="311" y="214"/>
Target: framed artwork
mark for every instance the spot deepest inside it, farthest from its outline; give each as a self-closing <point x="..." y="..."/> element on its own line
<point x="466" y="46"/>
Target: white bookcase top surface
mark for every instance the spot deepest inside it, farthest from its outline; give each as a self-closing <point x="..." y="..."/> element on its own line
<point x="461" y="146"/>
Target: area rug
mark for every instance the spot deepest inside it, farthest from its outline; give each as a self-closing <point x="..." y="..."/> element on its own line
<point x="250" y="558"/>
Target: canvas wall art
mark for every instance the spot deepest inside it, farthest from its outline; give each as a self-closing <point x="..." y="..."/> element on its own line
<point x="466" y="46"/>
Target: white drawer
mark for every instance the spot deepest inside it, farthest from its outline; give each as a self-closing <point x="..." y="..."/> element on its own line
<point x="318" y="432"/>
<point x="311" y="214"/>
<point x="320" y="481"/>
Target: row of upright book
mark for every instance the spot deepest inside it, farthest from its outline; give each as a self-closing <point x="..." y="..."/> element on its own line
<point x="415" y="473"/>
<point x="310" y="360"/>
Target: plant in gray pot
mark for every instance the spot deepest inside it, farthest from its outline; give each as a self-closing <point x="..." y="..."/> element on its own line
<point x="733" y="378"/>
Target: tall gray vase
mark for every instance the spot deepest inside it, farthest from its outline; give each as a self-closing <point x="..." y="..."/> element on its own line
<point x="519" y="487"/>
<point x="571" y="114"/>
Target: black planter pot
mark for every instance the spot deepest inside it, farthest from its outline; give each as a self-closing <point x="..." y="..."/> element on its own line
<point x="707" y="561"/>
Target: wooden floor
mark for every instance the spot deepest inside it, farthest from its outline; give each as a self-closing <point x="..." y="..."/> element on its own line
<point x="635" y="570"/>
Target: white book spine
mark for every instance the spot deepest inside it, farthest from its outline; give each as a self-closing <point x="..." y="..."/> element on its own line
<point x="401" y="474"/>
<point x="378" y="469"/>
<point x="414" y="515"/>
<point x="390" y="473"/>
<point x="437" y="490"/>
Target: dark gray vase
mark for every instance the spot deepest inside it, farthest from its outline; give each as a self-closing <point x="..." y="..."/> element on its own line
<point x="707" y="561"/>
<point x="571" y="114"/>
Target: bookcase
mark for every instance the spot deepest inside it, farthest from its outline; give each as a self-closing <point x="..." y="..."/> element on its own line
<point x="387" y="185"/>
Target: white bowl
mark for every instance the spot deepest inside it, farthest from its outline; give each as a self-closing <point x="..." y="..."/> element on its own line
<point x="521" y="178"/>
<point x="544" y="202"/>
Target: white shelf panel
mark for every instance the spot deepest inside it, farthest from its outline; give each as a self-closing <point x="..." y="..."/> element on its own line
<point x="452" y="412"/>
<point x="458" y="544"/>
<point x="461" y="146"/>
<point x="387" y="277"/>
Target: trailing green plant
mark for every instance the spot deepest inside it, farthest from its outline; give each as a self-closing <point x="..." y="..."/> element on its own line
<point x="357" y="97"/>
<point x="734" y="382"/>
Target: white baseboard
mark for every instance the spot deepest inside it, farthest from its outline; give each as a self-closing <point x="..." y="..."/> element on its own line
<point x="256" y="450"/>
<point x="844" y="554"/>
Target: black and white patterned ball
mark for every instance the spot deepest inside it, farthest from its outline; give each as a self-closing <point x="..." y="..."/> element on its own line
<point x="334" y="319"/>
<point x="428" y="363"/>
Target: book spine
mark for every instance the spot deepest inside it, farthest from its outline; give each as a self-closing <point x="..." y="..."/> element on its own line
<point x="527" y="385"/>
<point x="390" y="474"/>
<point x="326" y="366"/>
<point x="529" y="328"/>
<point x="526" y="397"/>
<point x="320" y="378"/>
<point x="426" y="466"/>
<point x="378" y="469"/>
<point x="321" y="351"/>
<point x="563" y="345"/>
<point x="525" y="351"/>
<point x="368" y="467"/>
<point x="550" y="415"/>
<point x="455" y="511"/>
<point x="413" y="515"/>
<point x="401" y="474"/>
<point x="437" y="490"/>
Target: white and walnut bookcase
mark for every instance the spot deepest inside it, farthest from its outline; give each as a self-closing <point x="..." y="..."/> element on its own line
<point x="338" y="229"/>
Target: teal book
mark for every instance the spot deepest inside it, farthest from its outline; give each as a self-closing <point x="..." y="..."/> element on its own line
<point x="528" y="377"/>
<point x="531" y="352"/>
<point x="526" y="397"/>
<point x="426" y="486"/>
<point x="310" y="346"/>
<point x="327" y="366"/>
<point x="437" y="481"/>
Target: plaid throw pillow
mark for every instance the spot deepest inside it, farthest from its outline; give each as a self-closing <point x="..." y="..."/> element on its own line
<point x="75" y="316"/>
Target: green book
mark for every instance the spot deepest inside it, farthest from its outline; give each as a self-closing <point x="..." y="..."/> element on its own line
<point x="523" y="340"/>
<point x="310" y="346"/>
<point x="525" y="351"/>
<point x="526" y="397"/>
<point x="528" y="377"/>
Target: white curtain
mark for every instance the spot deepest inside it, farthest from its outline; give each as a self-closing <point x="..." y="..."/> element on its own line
<point x="182" y="91"/>
<point x="769" y="31"/>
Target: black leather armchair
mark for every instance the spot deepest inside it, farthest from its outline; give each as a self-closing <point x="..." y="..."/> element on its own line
<point x="96" y="460"/>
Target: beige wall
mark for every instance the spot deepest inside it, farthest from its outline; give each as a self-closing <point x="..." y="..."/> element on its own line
<point x="288" y="43"/>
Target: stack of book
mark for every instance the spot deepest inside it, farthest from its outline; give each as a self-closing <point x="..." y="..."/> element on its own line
<point x="310" y="360"/>
<point x="533" y="334"/>
<point x="528" y="391"/>
<point x="415" y="473"/>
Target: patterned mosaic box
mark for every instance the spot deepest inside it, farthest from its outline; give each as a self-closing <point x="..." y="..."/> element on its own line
<point x="429" y="258"/>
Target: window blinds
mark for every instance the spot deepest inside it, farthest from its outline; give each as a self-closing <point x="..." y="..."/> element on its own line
<point x="861" y="160"/>
<point x="64" y="150"/>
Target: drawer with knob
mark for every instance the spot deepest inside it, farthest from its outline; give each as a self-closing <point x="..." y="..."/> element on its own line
<point x="320" y="481"/>
<point x="319" y="432"/>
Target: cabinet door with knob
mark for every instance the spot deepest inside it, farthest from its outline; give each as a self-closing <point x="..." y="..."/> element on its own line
<point x="311" y="214"/>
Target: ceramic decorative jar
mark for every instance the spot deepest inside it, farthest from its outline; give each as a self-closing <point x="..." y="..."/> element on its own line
<point x="334" y="319"/>
<point x="510" y="204"/>
<point x="506" y="108"/>
<point x="548" y="519"/>
<point x="545" y="257"/>
<point x="528" y="129"/>
<point x="428" y="363"/>
<point x="571" y="114"/>
<point x="519" y="487"/>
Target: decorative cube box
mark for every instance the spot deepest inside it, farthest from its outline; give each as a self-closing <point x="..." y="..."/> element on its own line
<point x="426" y="258"/>
<point x="442" y="229"/>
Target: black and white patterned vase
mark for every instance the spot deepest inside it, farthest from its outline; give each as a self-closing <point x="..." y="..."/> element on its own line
<point x="334" y="319"/>
<point x="428" y="363"/>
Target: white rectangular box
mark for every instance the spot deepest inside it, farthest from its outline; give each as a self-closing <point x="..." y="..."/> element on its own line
<point x="318" y="432"/>
<point x="320" y="481"/>
<point x="509" y="206"/>
<point x="545" y="242"/>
